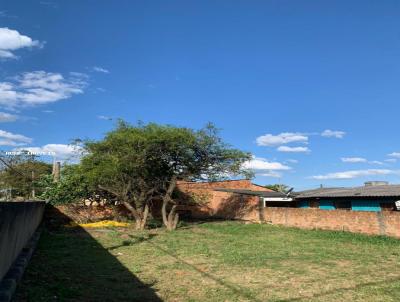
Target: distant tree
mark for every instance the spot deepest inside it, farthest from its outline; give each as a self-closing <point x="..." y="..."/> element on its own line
<point x="20" y="174"/>
<point x="141" y="162"/>
<point x="278" y="187"/>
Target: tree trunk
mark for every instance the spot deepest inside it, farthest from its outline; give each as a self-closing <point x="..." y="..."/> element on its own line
<point x="140" y="218"/>
<point x="171" y="219"/>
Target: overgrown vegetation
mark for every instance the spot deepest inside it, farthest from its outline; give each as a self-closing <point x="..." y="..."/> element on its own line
<point x="20" y="176"/>
<point x="134" y="165"/>
<point x="212" y="262"/>
<point x="71" y="187"/>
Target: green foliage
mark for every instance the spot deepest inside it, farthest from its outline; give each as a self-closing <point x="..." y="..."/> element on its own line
<point x="278" y="187"/>
<point x="20" y="174"/>
<point x="133" y="159"/>
<point x="71" y="187"/>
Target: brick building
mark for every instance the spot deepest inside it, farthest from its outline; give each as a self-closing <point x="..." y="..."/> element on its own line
<point x="220" y="199"/>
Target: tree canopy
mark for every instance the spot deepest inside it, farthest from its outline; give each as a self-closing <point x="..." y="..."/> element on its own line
<point x="138" y="163"/>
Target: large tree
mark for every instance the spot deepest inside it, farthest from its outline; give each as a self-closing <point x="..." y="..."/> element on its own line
<point x="118" y="164"/>
<point x="137" y="163"/>
<point x="186" y="154"/>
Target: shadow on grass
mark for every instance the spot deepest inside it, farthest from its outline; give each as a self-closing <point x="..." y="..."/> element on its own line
<point x="135" y="240"/>
<point x="70" y="265"/>
<point x="238" y="291"/>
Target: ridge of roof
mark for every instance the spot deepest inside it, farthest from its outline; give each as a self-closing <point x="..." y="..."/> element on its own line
<point x="363" y="191"/>
<point x="215" y="181"/>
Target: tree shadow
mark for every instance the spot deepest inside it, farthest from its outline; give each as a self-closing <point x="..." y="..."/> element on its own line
<point x="71" y="265"/>
<point x="135" y="240"/>
<point x="195" y="206"/>
<point x="237" y="290"/>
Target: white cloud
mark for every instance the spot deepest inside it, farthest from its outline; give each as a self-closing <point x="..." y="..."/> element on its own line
<point x="261" y="164"/>
<point x="292" y="161"/>
<point x="355" y="174"/>
<point x="12" y="139"/>
<point x="40" y="87"/>
<point x="273" y="174"/>
<point x="58" y="151"/>
<point x="11" y="40"/>
<point x="333" y="133"/>
<point x="353" y="160"/>
<point x="281" y="139"/>
<point x="7" y="117"/>
<point x="376" y="162"/>
<point x="394" y="154"/>
<point x="293" y="149"/>
<point x="100" y="69"/>
<point x="103" y="117"/>
<point x="391" y="160"/>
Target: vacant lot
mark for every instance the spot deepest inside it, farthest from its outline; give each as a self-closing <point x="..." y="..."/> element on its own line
<point x="212" y="262"/>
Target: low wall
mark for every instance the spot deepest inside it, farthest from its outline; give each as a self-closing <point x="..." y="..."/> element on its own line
<point x="373" y="223"/>
<point x="18" y="222"/>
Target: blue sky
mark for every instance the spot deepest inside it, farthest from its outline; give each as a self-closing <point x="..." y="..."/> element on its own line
<point x="273" y="75"/>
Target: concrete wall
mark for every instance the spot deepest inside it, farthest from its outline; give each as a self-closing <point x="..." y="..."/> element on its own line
<point x="372" y="223"/>
<point x="18" y="222"/>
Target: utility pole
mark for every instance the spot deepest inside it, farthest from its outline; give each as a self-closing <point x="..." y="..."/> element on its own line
<point x="33" y="185"/>
<point x="56" y="171"/>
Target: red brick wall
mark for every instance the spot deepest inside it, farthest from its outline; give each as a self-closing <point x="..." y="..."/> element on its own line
<point x="373" y="223"/>
<point x="212" y="203"/>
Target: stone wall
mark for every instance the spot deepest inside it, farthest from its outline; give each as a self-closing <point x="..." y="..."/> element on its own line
<point x="372" y="223"/>
<point x="18" y="222"/>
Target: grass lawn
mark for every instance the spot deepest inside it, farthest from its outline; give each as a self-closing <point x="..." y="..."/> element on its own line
<point x="224" y="261"/>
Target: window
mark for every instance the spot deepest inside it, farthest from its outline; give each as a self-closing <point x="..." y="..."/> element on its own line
<point x="343" y="204"/>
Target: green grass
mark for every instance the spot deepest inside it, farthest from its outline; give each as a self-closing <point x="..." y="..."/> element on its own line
<point x="225" y="261"/>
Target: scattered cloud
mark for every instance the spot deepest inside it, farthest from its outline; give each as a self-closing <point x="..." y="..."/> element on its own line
<point x="391" y="160"/>
<point x="60" y="152"/>
<point x="40" y="87"/>
<point x="12" y="139"/>
<point x="273" y="174"/>
<point x="376" y="162"/>
<point x="333" y="133"/>
<point x="356" y="174"/>
<point x="293" y="149"/>
<point x="353" y="160"/>
<point x="100" y="69"/>
<point x="292" y="161"/>
<point x="361" y="160"/>
<point x="103" y="117"/>
<point x="5" y="14"/>
<point x="394" y="154"/>
<point x="7" y="117"/>
<point x="11" y="40"/>
<point x="261" y="164"/>
<point x="281" y="139"/>
<point x="51" y="4"/>
<point x="47" y="111"/>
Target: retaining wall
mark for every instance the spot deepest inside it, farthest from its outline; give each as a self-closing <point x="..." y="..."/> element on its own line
<point x="372" y="223"/>
<point x="18" y="222"/>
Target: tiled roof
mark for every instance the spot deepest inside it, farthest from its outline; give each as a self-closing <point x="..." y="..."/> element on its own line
<point x="365" y="191"/>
